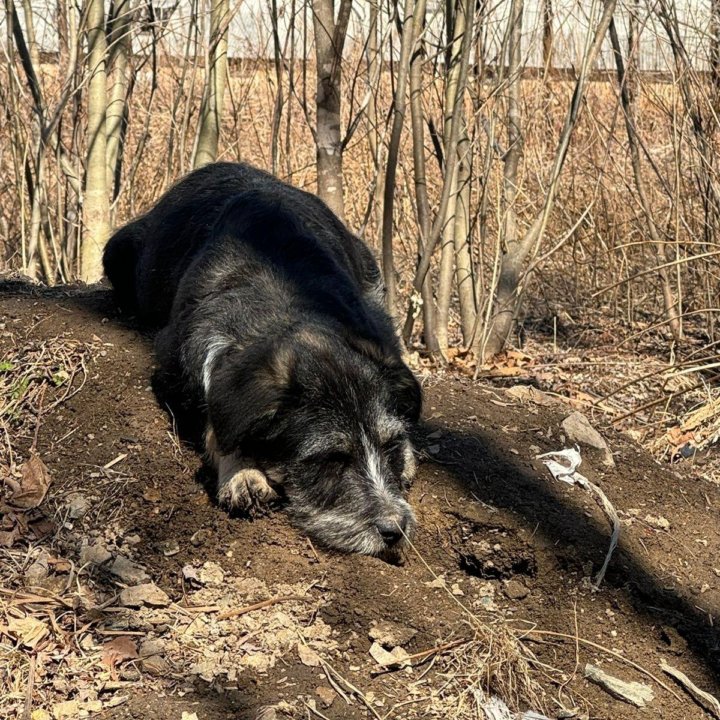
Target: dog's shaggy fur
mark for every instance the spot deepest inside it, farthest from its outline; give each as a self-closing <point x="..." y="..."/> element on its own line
<point x="272" y="324"/>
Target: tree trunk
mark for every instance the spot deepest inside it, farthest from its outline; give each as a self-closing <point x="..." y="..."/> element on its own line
<point x="399" y="102"/>
<point x="279" y="97"/>
<point x="464" y="279"/>
<point x="459" y="20"/>
<point x="329" y="43"/>
<point x="511" y="262"/>
<point x="377" y="148"/>
<point x="547" y="38"/>
<point x="422" y="201"/>
<point x="119" y="34"/>
<point x="96" y="209"/>
<point x="208" y="136"/>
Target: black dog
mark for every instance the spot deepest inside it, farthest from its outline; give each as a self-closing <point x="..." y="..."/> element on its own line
<point x="273" y="325"/>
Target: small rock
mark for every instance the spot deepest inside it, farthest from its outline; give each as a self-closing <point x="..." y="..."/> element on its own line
<point x="396" y="657"/>
<point x="659" y="523"/>
<point x="515" y="590"/>
<point x="456" y="590"/>
<point x="205" y="669"/>
<point x="327" y="695"/>
<point x="169" y="548"/>
<point x="390" y="634"/>
<point x="635" y="693"/>
<point x="438" y="582"/>
<point x="152" y="647"/>
<point x="77" y="506"/>
<point x="211" y="574"/>
<point x="200" y="537"/>
<point x="155" y="665"/>
<point x="145" y="594"/>
<point x="190" y="574"/>
<point x="39" y="570"/>
<point x="96" y="554"/>
<point x="433" y="449"/>
<point x="128" y="571"/>
<point x="578" y="429"/>
<point x="308" y="656"/>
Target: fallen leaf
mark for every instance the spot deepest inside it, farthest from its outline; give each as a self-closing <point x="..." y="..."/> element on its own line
<point x="8" y="537"/>
<point x="118" y="651"/>
<point x="33" y="486"/>
<point x="29" y="630"/>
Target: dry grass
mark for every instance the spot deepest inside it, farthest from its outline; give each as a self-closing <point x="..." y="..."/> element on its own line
<point x="35" y="377"/>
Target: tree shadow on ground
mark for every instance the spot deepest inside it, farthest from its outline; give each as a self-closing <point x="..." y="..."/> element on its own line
<point x="483" y="468"/>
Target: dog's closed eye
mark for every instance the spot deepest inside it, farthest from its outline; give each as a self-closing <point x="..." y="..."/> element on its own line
<point x="337" y="458"/>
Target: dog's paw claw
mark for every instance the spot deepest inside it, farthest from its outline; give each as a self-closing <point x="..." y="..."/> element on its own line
<point x="244" y="489"/>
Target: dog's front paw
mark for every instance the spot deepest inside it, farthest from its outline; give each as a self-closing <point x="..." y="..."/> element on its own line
<point x="247" y="487"/>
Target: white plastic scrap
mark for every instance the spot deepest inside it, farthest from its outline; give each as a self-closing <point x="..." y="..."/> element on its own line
<point x="567" y="471"/>
<point x="563" y="466"/>
<point x="496" y="709"/>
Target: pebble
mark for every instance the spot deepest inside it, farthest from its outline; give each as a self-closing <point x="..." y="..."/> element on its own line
<point x="327" y="695"/>
<point x="66" y="710"/>
<point x="77" y="505"/>
<point x="154" y="646"/>
<point x="390" y="634"/>
<point x="578" y="429"/>
<point x="515" y="590"/>
<point x="38" y="571"/>
<point x="155" y="665"/>
<point x="211" y="574"/>
<point x="128" y="571"/>
<point x="145" y="594"/>
<point x="96" y="554"/>
<point x="200" y="537"/>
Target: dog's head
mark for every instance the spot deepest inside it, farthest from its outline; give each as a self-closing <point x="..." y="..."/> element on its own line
<point x="328" y="419"/>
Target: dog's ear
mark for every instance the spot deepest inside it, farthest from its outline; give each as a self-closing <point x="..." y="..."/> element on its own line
<point x="246" y="392"/>
<point x="404" y="387"/>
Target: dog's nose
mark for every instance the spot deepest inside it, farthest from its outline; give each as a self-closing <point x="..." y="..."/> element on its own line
<point x="391" y="529"/>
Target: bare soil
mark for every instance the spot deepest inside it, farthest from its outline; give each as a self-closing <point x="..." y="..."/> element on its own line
<point x="492" y="524"/>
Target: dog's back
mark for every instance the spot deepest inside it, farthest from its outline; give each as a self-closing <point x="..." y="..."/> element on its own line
<point x="146" y="260"/>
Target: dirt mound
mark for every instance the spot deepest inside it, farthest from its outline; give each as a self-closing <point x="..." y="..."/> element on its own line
<point x="127" y="593"/>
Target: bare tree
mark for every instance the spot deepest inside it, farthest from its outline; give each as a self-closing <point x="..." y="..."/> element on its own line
<point x="119" y="51"/>
<point x="208" y="134"/>
<point x="422" y="201"/>
<point x="329" y="43"/>
<point x="96" y="208"/>
<point x="547" y="36"/>
<point x="399" y="103"/>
